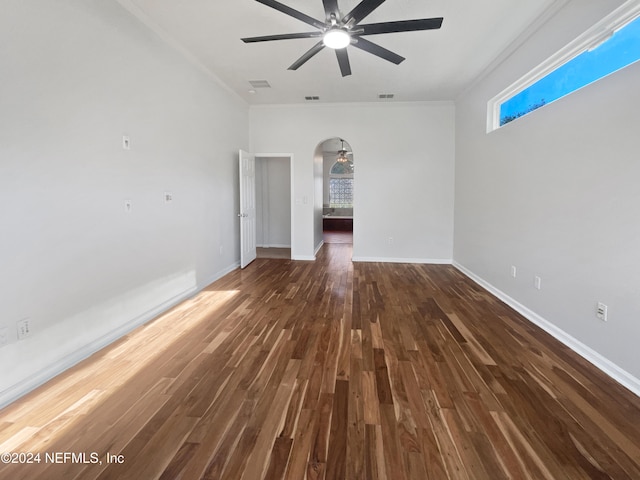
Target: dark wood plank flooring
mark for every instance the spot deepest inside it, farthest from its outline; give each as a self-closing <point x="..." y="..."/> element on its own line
<point x="335" y="236"/>
<point x="334" y="370"/>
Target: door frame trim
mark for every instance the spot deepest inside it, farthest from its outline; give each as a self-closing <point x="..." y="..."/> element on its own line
<point x="291" y="182"/>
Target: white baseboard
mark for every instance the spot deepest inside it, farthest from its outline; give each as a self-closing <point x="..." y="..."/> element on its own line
<point x="304" y="258"/>
<point x="32" y="382"/>
<point x="607" y="366"/>
<point x="307" y="258"/>
<point x="218" y="275"/>
<point x="436" y="261"/>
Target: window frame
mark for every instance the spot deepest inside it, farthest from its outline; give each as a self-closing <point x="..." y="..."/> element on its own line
<point x="340" y="176"/>
<point x="589" y="40"/>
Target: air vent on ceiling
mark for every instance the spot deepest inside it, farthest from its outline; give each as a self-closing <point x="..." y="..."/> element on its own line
<point x="311" y="98"/>
<point x="385" y="95"/>
<point x="259" y="84"/>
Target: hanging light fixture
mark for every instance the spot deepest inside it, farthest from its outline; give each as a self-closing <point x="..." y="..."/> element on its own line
<point x="342" y="154"/>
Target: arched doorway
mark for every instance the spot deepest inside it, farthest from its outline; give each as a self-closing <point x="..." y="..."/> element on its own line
<point x="337" y="190"/>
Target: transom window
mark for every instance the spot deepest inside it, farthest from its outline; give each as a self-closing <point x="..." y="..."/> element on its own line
<point x="610" y="45"/>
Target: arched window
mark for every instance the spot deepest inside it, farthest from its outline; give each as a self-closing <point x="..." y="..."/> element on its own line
<point x="341" y="185"/>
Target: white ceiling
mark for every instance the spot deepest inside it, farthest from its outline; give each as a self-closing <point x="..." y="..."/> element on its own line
<point x="438" y="65"/>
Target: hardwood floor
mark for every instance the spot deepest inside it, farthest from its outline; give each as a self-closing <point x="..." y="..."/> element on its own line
<point x="336" y="236"/>
<point x="281" y="253"/>
<point x="331" y="370"/>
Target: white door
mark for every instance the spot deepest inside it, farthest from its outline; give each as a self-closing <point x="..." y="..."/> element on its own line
<point x="247" y="208"/>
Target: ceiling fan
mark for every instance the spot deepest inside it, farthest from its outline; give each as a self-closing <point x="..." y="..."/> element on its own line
<point x="339" y="31"/>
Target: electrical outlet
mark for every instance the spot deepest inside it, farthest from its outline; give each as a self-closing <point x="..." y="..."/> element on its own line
<point x="126" y="142"/>
<point x="4" y="336"/>
<point x="24" y="328"/>
<point x="601" y="311"/>
<point x="514" y="271"/>
<point x="537" y="282"/>
<point x="168" y="197"/>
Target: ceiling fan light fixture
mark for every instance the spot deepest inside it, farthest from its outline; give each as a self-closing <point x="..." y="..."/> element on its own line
<point x="336" y="38"/>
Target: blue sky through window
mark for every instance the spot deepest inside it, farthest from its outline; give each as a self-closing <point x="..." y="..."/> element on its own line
<point x="620" y="50"/>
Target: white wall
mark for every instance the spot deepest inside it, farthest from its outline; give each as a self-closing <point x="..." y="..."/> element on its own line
<point x="328" y="160"/>
<point x="404" y="173"/>
<point x="76" y="76"/>
<point x="556" y="194"/>
<point x="273" y="202"/>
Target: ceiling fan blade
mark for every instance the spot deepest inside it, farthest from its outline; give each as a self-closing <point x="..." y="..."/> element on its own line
<point x="284" y="36"/>
<point x="293" y="13"/>
<point x="304" y="58"/>
<point x="364" y="8"/>
<point x="401" y="26"/>
<point x="343" y="61"/>
<point x="377" y="50"/>
<point x="330" y="6"/>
